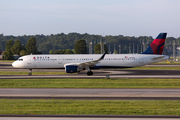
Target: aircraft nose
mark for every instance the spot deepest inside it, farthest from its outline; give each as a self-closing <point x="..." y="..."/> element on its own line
<point x="14" y="64"/>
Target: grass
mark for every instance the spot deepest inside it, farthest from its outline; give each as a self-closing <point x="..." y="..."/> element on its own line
<point x="26" y="73"/>
<point x="105" y="107"/>
<point x="165" y="63"/>
<point x="156" y="68"/>
<point x="10" y="61"/>
<point x="90" y="83"/>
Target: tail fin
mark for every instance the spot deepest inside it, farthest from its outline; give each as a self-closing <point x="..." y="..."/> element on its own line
<point x="156" y="47"/>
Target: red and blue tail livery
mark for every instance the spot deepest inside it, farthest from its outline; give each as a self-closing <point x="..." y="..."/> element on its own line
<point x="156" y="47"/>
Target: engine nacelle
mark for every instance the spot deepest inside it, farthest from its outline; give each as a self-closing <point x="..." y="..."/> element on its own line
<point x="72" y="69"/>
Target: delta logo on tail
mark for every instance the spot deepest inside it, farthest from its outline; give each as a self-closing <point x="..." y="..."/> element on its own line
<point x="157" y="45"/>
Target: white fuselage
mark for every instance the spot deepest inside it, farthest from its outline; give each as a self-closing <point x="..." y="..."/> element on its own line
<point x="109" y="61"/>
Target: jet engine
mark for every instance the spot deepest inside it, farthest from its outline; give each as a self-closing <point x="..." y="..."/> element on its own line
<point x="73" y="68"/>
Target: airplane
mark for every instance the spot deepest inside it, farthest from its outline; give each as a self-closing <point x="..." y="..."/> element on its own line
<point x="78" y="62"/>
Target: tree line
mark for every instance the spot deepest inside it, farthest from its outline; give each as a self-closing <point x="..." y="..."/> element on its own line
<point x="62" y="41"/>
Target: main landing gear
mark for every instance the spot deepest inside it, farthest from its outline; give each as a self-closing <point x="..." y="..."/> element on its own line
<point x="89" y="73"/>
<point x="30" y="72"/>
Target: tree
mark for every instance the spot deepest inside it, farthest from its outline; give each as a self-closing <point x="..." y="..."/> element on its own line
<point x="105" y="48"/>
<point x="23" y="52"/>
<point x="80" y="47"/>
<point x="31" y="47"/>
<point x="9" y="44"/>
<point x="68" y="51"/>
<point x="55" y="51"/>
<point x="65" y="51"/>
<point x="115" y="52"/>
<point x="8" y="55"/>
<point x="97" y="48"/>
<point x="17" y="47"/>
<point x="45" y="47"/>
<point x="51" y="52"/>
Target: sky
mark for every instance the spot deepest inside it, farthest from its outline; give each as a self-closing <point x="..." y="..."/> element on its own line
<point x="98" y="17"/>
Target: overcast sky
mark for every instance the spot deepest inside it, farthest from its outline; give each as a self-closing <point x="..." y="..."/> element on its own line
<point x="103" y="17"/>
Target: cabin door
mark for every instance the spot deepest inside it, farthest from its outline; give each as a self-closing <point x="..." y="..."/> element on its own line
<point x="60" y="60"/>
<point x="29" y="61"/>
<point x="141" y="60"/>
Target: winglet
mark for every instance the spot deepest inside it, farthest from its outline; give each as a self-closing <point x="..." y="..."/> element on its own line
<point x="102" y="57"/>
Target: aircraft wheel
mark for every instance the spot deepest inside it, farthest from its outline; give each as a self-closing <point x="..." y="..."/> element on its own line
<point x="89" y="73"/>
<point x="30" y="74"/>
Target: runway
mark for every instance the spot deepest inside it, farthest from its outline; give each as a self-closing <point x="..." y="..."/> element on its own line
<point x="81" y="94"/>
<point x="100" y="73"/>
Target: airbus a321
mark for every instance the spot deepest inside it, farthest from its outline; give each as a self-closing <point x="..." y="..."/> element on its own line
<point x="78" y="62"/>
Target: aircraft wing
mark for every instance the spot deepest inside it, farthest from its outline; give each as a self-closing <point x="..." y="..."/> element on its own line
<point x="91" y="63"/>
<point x="88" y="63"/>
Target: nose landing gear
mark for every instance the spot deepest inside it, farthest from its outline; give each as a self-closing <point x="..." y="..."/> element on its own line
<point x="30" y="72"/>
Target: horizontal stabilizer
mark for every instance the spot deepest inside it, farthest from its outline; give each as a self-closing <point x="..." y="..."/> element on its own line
<point x="157" y="58"/>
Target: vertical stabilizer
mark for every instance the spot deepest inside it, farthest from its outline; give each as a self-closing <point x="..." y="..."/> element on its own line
<point x="156" y="47"/>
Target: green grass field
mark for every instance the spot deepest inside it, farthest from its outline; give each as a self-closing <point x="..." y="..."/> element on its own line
<point x="90" y="83"/>
<point x="105" y="107"/>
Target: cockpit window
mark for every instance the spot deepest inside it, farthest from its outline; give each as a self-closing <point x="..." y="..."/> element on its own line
<point x="20" y="59"/>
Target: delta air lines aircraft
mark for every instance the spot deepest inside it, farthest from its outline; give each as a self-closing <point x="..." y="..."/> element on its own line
<point x="78" y="62"/>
